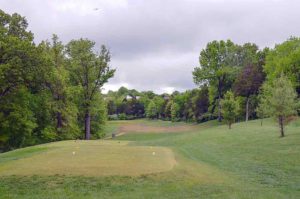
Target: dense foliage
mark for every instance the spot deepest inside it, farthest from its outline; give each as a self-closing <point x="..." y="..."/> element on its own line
<point x="285" y="59"/>
<point x="47" y="90"/>
<point x="130" y="104"/>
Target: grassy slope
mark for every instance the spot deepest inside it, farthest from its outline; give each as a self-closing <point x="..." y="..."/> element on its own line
<point x="248" y="161"/>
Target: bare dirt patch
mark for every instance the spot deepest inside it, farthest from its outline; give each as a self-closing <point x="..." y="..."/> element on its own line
<point x="143" y="128"/>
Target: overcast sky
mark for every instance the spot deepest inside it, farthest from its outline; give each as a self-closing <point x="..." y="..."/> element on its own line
<point x="155" y="44"/>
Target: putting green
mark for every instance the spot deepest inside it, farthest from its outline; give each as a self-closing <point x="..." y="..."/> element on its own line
<point x="91" y="158"/>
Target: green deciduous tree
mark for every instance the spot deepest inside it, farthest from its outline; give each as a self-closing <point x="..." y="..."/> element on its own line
<point x="63" y="109"/>
<point x="168" y="109"/>
<point x="46" y="92"/>
<point x="285" y="59"/>
<point x="230" y="108"/>
<point x="248" y="83"/>
<point x="98" y="116"/>
<point x="90" y="71"/>
<point x="279" y="100"/>
<point x="17" y="120"/>
<point x="159" y="102"/>
<point x="175" y="112"/>
<point x="151" y="110"/>
<point x="19" y="58"/>
<point x="262" y="109"/>
<point x="218" y="64"/>
<point x="200" y="103"/>
<point x="21" y="75"/>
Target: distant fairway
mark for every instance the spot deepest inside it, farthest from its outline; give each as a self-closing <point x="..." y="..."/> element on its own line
<point x="197" y="161"/>
<point x="146" y="126"/>
<point x="90" y="158"/>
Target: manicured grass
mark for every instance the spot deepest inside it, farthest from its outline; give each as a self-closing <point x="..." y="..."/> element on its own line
<point x="212" y="161"/>
<point x="91" y="158"/>
<point x="21" y="153"/>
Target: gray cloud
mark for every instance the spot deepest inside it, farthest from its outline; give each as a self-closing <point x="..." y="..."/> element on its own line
<point x="155" y="44"/>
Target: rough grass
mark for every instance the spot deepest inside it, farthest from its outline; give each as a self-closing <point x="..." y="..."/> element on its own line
<point x="248" y="161"/>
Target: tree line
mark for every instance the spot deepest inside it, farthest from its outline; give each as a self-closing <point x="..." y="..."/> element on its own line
<point x="236" y="83"/>
<point x="187" y="106"/>
<point x="49" y="91"/>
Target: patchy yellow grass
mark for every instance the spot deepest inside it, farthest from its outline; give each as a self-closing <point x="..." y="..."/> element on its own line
<point x="92" y="158"/>
<point x="142" y="128"/>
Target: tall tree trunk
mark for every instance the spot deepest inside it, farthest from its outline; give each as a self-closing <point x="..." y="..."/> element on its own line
<point x="87" y="124"/>
<point x="280" y="120"/>
<point x="219" y="107"/>
<point x="247" y="108"/>
<point x="59" y="123"/>
<point x="229" y="125"/>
